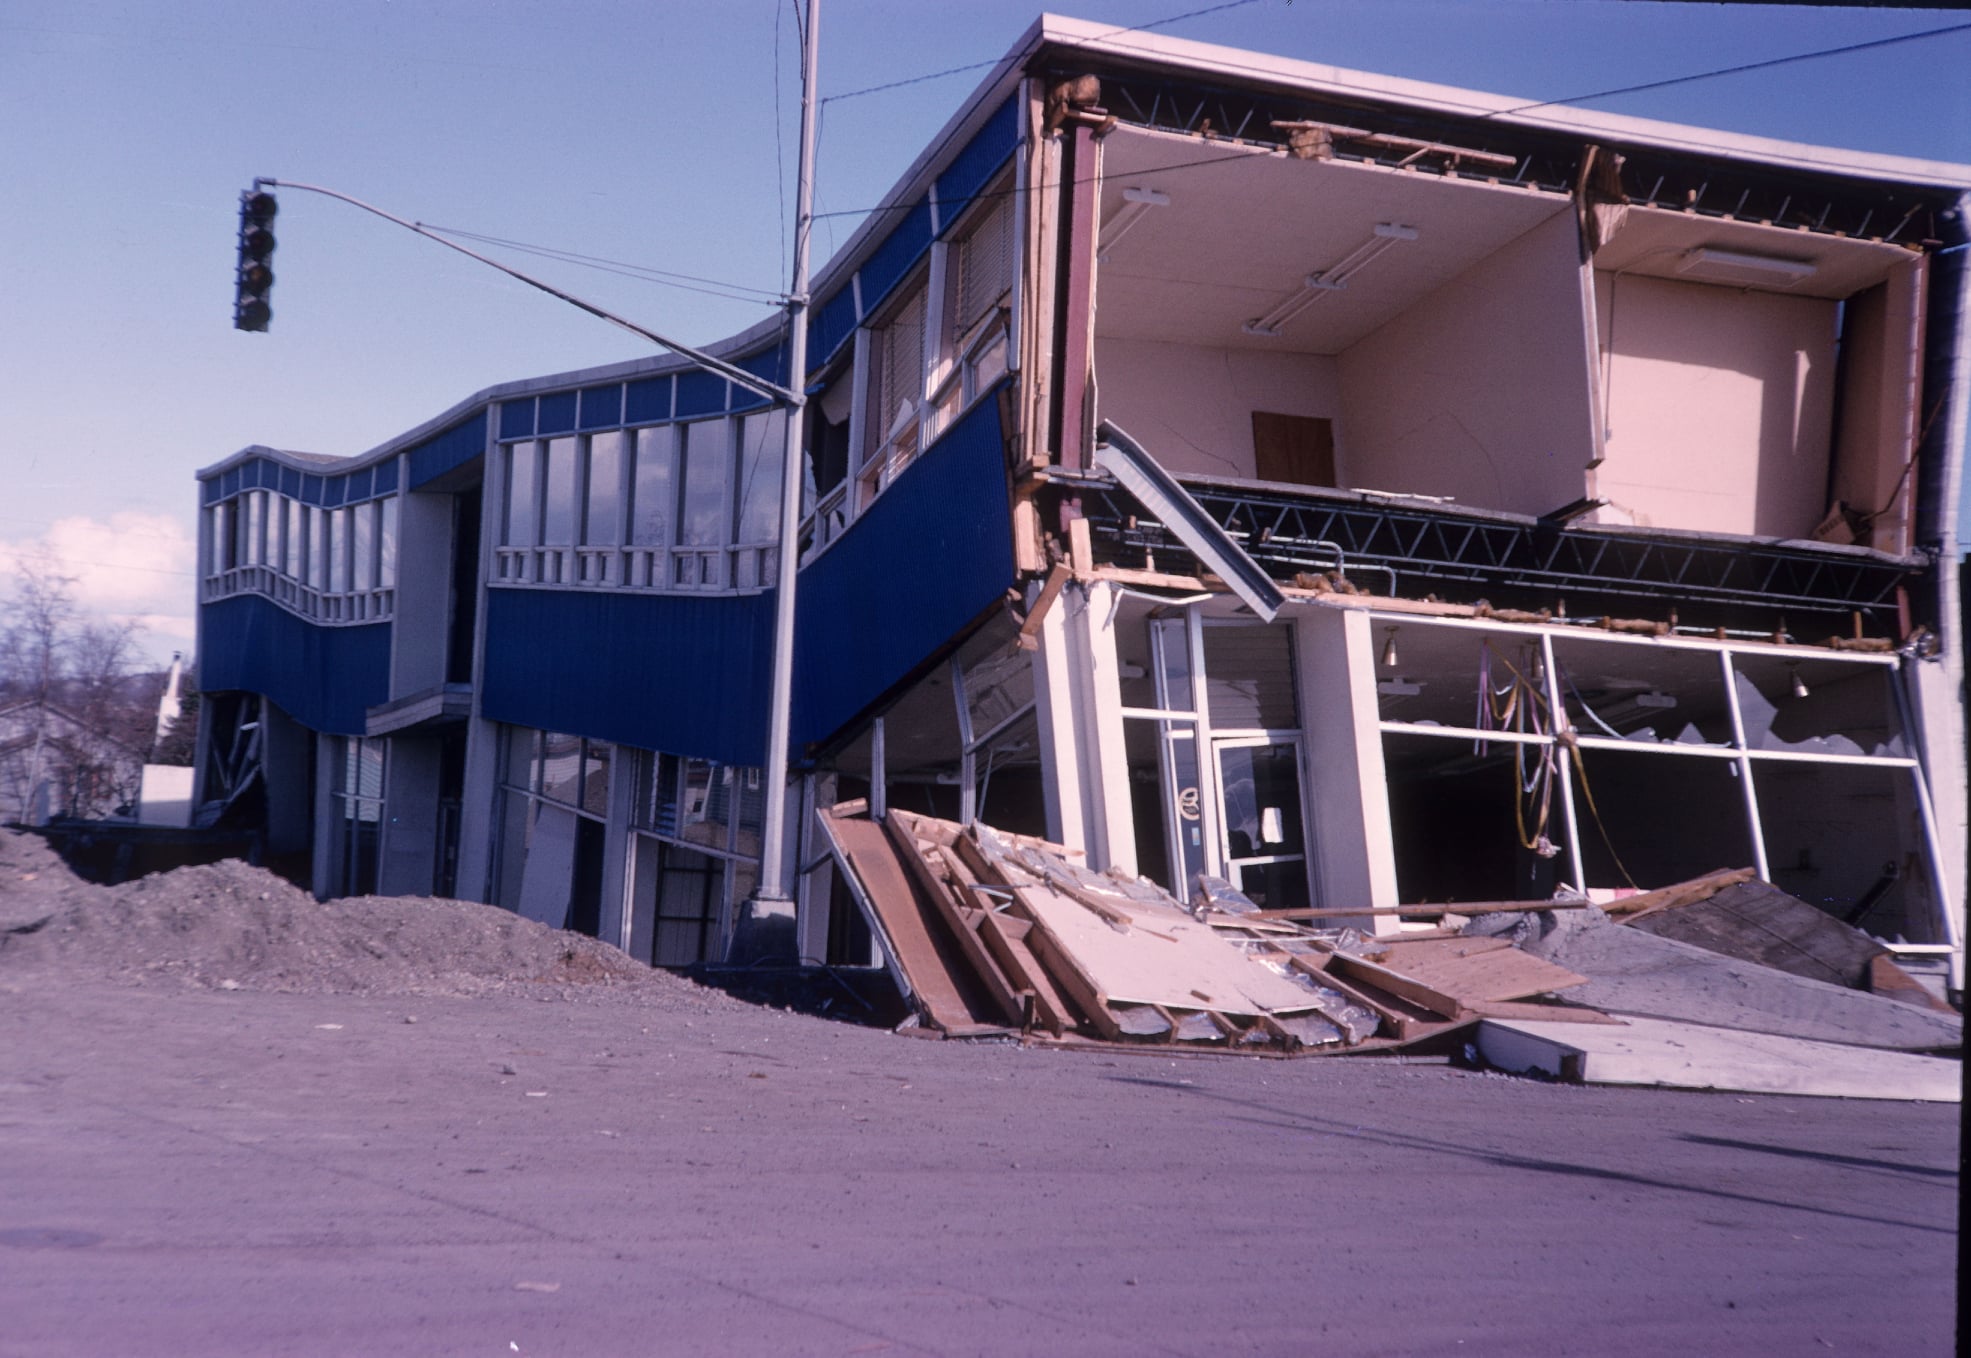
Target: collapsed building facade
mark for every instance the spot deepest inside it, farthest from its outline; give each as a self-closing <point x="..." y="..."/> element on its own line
<point x="1217" y="464"/>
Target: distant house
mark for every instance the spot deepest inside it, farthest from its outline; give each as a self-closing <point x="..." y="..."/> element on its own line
<point x="1368" y="491"/>
<point x="53" y="764"/>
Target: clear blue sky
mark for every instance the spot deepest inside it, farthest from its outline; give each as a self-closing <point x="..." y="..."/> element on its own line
<point x="632" y="131"/>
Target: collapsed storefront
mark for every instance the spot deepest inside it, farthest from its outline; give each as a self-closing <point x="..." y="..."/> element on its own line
<point x="1218" y="466"/>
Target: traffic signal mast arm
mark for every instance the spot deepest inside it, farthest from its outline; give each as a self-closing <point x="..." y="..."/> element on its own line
<point x="751" y="381"/>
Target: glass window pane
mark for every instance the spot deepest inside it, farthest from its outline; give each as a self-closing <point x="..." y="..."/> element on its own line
<point x="522" y="493"/>
<point x="1261" y="788"/>
<point x="561" y="767"/>
<point x="362" y="537"/>
<point x="1171" y="646"/>
<point x="296" y="540"/>
<point x="602" y="526"/>
<point x="256" y="507"/>
<point x="386" y="567"/>
<point x="705" y="521"/>
<point x="1249" y="677"/>
<point x="654" y="495"/>
<point x="1663" y="817"/>
<point x="997" y="686"/>
<point x="1462" y="818"/>
<point x="595" y="778"/>
<point x="558" y="505"/>
<point x="1644" y="692"/>
<point x="1822" y="706"/>
<point x="338" y="551"/>
<point x="521" y="744"/>
<point x="763" y="450"/>
<point x="1848" y="838"/>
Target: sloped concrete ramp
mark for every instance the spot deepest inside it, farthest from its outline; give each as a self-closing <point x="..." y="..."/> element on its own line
<point x="1691" y="1056"/>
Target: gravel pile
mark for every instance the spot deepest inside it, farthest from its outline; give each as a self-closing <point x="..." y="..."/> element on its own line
<point x="231" y="926"/>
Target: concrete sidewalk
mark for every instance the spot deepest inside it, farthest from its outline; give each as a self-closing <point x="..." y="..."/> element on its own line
<point x="245" y="1173"/>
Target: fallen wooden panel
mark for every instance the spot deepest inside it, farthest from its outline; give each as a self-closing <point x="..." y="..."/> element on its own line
<point x="1689" y="1056"/>
<point x="1165" y="958"/>
<point x="1757" y="922"/>
<point x="1887" y="978"/>
<point x="1477" y="973"/>
<point x="962" y="918"/>
<point x="1683" y="893"/>
<point x="935" y="973"/>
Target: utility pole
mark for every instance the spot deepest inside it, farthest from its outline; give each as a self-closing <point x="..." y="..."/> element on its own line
<point x="765" y="929"/>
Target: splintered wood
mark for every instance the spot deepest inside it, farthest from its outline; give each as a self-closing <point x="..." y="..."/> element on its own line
<point x="996" y="933"/>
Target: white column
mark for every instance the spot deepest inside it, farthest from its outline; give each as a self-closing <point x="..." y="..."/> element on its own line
<point x="1348" y="792"/>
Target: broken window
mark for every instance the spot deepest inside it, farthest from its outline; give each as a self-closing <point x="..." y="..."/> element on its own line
<point x="896" y="396"/>
<point x="1681" y="757"/>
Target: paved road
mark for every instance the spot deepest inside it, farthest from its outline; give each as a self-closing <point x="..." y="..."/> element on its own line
<point x="213" y="1174"/>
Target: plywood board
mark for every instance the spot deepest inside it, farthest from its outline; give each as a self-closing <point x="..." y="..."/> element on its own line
<point x="931" y="963"/>
<point x="1757" y="922"/>
<point x="1688" y="1056"/>
<point x="1480" y="974"/>
<point x="1167" y="958"/>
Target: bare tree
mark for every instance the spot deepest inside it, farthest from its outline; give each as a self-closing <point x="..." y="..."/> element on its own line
<point x="74" y="721"/>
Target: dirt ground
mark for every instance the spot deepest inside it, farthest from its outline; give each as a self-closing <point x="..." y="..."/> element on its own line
<point x="235" y="1120"/>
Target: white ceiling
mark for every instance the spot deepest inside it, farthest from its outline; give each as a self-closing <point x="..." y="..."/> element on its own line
<point x="1244" y="227"/>
<point x="1652" y="242"/>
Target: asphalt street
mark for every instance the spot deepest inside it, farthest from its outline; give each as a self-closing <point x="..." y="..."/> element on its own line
<point x="211" y="1173"/>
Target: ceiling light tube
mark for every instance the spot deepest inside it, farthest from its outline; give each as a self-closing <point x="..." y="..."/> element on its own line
<point x="1332" y="279"/>
<point x="1737" y="266"/>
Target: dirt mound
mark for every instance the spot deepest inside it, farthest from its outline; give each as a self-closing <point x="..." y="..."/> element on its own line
<point x="233" y="926"/>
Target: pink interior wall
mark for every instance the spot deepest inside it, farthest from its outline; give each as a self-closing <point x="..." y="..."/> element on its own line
<point x="1481" y="391"/>
<point x="1191" y="407"/>
<point x="1719" y="406"/>
<point x="1879" y="401"/>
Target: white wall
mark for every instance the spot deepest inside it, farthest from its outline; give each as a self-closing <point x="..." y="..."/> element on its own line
<point x="1481" y="391"/>
<point x="1192" y="406"/>
<point x="1719" y="401"/>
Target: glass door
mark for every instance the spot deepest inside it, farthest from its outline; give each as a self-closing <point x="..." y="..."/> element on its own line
<point x="1264" y="845"/>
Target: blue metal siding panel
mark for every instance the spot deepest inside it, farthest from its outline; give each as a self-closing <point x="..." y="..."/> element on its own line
<point x="323" y="677"/>
<point x="684" y="674"/>
<point x="386" y="476"/>
<point x="770" y="364"/>
<point x="834" y="321"/>
<point x="979" y="161"/>
<point x="517" y="419"/>
<point x="933" y="552"/>
<point x="700" y="393"/>
<point x="453" y="448"/>
<point x="649" y="400"/>
<point x="557" y="414"/>
<point x="602" y="407"/>
<point x="907" y="243"/>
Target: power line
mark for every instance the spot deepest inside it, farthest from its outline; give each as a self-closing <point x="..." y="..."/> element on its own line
<point x="713" y="287"/>
<point x="1737" y="70"/>
<point x="1521" y="108"/>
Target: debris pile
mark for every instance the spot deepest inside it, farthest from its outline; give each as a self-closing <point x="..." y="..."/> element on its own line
<point x="989" y="933"/>
<point x="232" y="926"/>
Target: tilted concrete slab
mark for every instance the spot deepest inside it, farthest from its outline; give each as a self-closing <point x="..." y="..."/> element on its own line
<point x="1690" y="1056"/>
<point x="1635" y="973"/>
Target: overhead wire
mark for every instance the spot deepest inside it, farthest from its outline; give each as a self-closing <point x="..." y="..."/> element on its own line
<point x="1740" y="69"/>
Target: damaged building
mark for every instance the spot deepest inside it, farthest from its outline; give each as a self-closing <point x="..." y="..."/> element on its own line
<point x="1350" y="488"/>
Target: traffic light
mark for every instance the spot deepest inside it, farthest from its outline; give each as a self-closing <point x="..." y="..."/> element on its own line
<point x="255" y="279"/>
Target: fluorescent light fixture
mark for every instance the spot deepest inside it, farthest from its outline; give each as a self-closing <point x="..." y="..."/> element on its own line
<point x="1332" y="279"/>
<point x="1398" y="688"/>
<point x="1655" y="699"/>
<point x="1135" y="203"/>
<point x="1743" y="269"/>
